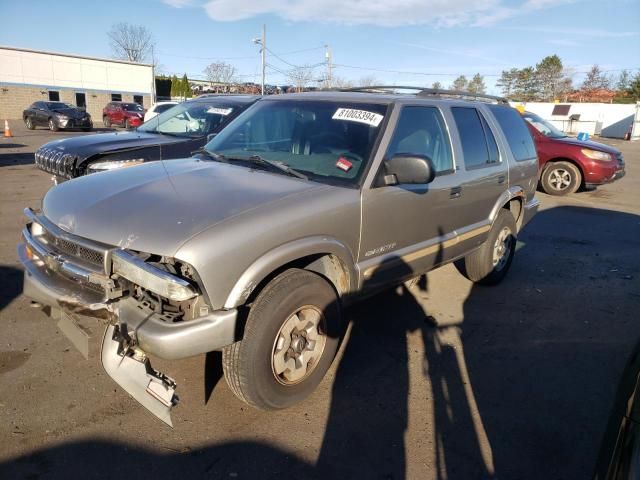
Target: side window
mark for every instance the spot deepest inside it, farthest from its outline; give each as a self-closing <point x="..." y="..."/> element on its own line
<point x="422" y="131"/>
<point x="492" y="146"/>
<point x="478" y="145"/>
<point x="516" y="132"/>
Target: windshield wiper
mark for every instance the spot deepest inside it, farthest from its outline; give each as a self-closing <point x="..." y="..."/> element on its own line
<point x="212" y="155"/>
<point x="281" y="167"/>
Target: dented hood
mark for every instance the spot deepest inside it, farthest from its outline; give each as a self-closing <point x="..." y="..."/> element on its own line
<point x="157" y="206"/>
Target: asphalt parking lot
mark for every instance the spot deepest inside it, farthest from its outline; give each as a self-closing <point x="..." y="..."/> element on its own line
<point x="454" y="382"/>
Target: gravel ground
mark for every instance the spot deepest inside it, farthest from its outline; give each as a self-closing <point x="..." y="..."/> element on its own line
<point x="451" y="381"/>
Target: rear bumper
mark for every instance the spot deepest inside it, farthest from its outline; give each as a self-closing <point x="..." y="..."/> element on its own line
<point x="529" y="211"/>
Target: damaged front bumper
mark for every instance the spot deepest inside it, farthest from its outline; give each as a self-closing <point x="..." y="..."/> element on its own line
<point x="83" y="302"/>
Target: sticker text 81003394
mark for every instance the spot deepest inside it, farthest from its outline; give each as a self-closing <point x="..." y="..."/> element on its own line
<point x="360" y="116"/>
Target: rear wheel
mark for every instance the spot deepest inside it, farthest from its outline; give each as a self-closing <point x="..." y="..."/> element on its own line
<point x="53" y="126"/>
<point x="489" y="264"/>
<point x="561" y="178"/>
<point x="290" y="338"/>
<point x="29" y="123"/>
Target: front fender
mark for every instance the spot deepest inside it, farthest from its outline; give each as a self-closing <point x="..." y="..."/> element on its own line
<point x="289" y="252"/>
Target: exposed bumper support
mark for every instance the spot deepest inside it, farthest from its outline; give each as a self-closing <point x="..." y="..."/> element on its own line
<point x="530" y="209"/>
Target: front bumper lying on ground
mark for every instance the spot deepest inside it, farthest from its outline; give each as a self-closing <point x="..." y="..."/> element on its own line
<point x="87" y="301"/>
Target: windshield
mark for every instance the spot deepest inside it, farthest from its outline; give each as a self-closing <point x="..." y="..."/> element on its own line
<point x="132" y="107"/>
<point x="545" y="128"/>
<point x="328" y="141"/>
<point x="56" y="105"/>
<point x="189" y="119"/>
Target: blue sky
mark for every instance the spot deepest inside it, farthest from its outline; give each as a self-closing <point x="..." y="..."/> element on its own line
<point x="436" y="40"/>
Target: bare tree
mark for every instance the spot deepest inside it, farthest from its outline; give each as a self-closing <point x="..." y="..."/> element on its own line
<point x="130" y="42"/>
<point x="367" y="81"/>
<point x="221" y="72"/>
<point x="301" y="77"/>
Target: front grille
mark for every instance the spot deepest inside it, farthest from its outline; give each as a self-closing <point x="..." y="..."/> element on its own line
<point x="55" y="161"/>
<point x="70" y="248"/>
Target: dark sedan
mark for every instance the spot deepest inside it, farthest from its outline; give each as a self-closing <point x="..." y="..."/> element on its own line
<point x="56" y="115"/>
<point x="175" y="133"/>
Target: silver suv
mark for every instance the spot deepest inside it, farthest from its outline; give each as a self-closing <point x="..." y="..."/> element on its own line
<point x="304" y="203"/>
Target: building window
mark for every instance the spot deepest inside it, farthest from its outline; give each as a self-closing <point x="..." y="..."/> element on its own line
<point x="137" y="99"/>
<point x="54" y="96"/>
<point x="81" y="100"/>
<point x="116" y="97"/>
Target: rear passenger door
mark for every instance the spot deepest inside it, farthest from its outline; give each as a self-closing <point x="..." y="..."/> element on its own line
<point x="483" y="175"/>
<point x="406" y="229"/>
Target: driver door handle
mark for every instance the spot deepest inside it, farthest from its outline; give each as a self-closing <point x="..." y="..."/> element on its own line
<point x="455" y="192"/>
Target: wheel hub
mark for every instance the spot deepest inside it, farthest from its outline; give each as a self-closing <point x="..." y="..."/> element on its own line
<point x="298" y="346"/>
<point x="560" y="179"/>
<point x="502" y="248"/>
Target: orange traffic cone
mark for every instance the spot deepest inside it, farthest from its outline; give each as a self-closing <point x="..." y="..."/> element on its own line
<point x="7" y="130"/>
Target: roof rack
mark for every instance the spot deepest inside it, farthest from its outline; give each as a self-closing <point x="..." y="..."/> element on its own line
<point x="428" y="92"/>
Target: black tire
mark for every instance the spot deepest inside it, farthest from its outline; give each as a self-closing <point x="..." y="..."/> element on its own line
<point x="249" y="367"/>
<point x="126" y="124"/>
<point x="480" y="266"/>
<point x="53" y="126"/>
<point x="560" y="178"/>
<point x="106" y="121"/>
<point x="29" y="123"/>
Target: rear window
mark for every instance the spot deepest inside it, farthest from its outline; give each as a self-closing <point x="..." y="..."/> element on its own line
<point x="516" y="131"/>
<point x="162" y="108"/>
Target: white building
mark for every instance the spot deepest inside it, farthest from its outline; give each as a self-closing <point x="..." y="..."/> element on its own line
<point x="27" y="76"/>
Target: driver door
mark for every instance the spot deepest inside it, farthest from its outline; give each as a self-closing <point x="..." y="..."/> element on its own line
<point x="406" y="228"/>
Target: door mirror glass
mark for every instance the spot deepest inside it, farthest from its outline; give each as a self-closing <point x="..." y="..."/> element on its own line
<point x="408" y="169"/>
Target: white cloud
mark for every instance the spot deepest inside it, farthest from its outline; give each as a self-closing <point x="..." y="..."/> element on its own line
<point x="387" y="13"/>
<point x="576" y="31"/>
<point x="178" y="3"/>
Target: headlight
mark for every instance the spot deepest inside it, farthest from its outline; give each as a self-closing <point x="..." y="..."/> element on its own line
<point x="596" y="154"/>
<point x="61" y="117"/>
<point x="113" y="164"/>
<point x="151" y="278"/>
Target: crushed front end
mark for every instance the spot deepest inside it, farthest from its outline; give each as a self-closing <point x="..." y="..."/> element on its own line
<point x="130" y="305"/>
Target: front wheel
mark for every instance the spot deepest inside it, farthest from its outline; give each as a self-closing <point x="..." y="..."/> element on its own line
<point x="489" y="264"/>
<point x="53" y="126"/>
<point x="561" y="178"/>
<point x="29" y="123"/>
<point x="290" y="339"/>
<point x="106" y="121"/>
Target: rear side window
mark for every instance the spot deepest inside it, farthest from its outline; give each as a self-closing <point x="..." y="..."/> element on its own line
<point x="516" y="131"/>
<point x="478" y="145"/>
<point x="421" y="131"/>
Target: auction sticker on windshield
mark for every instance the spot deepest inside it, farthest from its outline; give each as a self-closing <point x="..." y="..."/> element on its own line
<point x="360" y="116"/>
<point x="219" y="111"/>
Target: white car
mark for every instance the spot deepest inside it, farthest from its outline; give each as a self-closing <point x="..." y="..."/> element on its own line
<point x="158" y="108"/>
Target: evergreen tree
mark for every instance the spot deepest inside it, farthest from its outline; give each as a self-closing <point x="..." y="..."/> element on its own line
<point x="634" y="87"/>
<point x="624" y="82"/>
<point x="525" y="86"/>
<point x="436" y="86"/>
<point x="550" y="78"/>
<point x="507" y="82"/>
<point x="460" y="83"/>
<point x="476" y="85"/>
<point x="186" y="88"/>
<point x="174" y="86"/>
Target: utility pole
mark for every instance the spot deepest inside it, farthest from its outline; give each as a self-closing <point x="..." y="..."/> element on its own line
<point x="153" y="77"/>
<point x="264" y="53"/>
<point x="327" y="56"/>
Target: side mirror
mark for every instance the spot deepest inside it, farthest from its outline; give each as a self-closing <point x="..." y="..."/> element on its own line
<point x="210" y="137"/>
<point x="408" y="169"/>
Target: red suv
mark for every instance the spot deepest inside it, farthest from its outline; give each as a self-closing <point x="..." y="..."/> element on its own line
<point x="567" y="163"/>
<point x="128" y="115"/>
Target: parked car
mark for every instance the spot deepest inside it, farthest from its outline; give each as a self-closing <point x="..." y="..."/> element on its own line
<point x="174" y="133"/>
<point x="619" y="457"/>
<point x="127" y="115"/>
<point x="301" y="205"/>
<point x="566" y="163"/>
<point x="56" y="115"/>
<point x="158" y="108"/>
